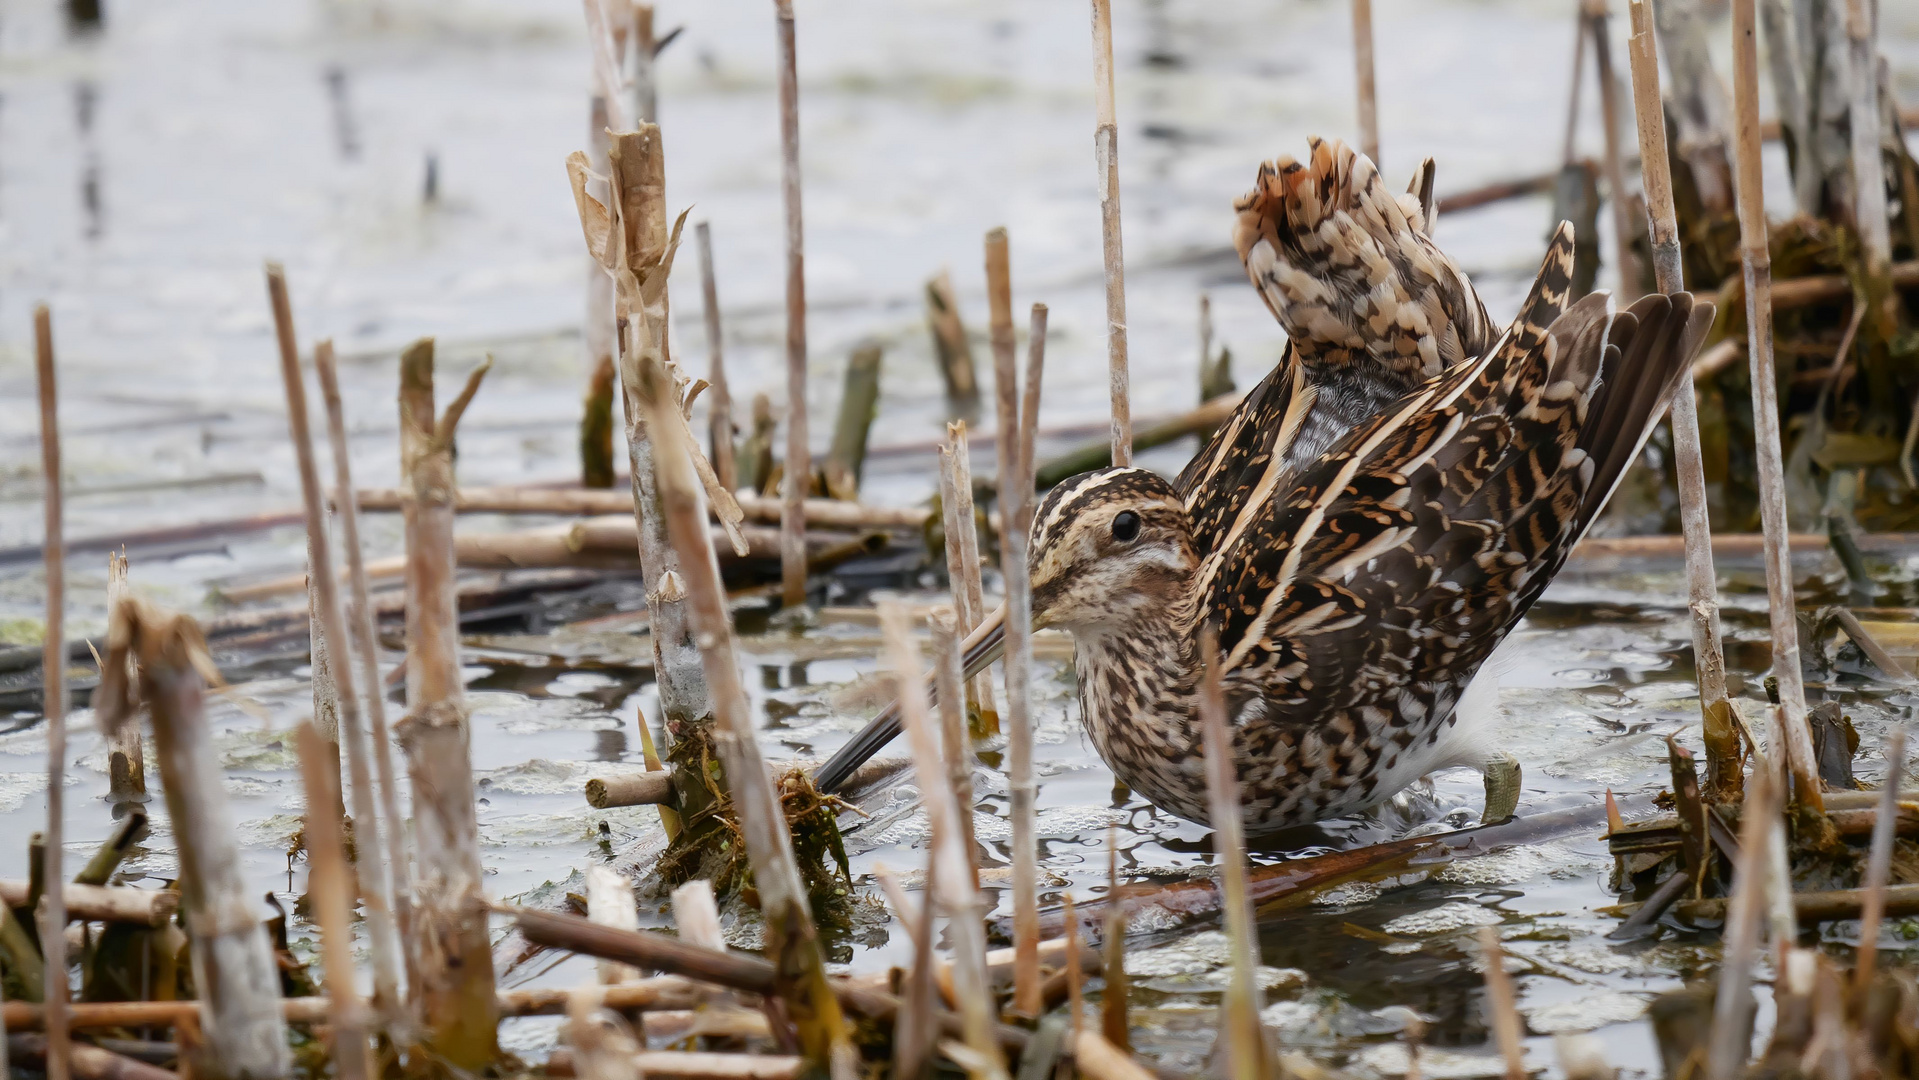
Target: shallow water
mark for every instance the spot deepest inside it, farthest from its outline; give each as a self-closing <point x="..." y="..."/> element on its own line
<point x="146" y="172"/>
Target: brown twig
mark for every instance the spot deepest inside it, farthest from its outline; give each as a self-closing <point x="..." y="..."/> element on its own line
<point x="720" y="404"/>
<point x="53" y="669"/>
<point x="799" y="466"/>
<point x="962" y="559"/>
<point x="1363" y="72"/>
<point x="328" y="890"/>
<point x="126" y="757"/>
<point x="1106" y="160"/>
<point x="1244" y="1039"/>
<point x="1114" y="1025"/>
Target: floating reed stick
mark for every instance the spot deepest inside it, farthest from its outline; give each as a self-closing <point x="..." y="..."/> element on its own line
<point x="1723" y="771"/>
<point x="720" y="399"/>
<point x="790" y="938"/>
<point x="1598" y="16"/>
<point x="102" y="903"/>
<point x="1363" y="69"/>
<point x="363" y="630"/>
<point x="243" y="1034"/>
<point x="1016" y="493"/>
<point x="958" y="749"/>
<point x="1772" y="473"/>
<point x="1879" y="863"/>
<point x="1501" y="1006"/>
<point x="799" y="461"/>
<point x="375" y="877"/>
<point x="126" y="757"/>
<point x="950" y="344"/>
<point x="452" y="963"/>
<point x="53" y="668"/>
<point x="962" y="561"/>
<point x="952" y="887"/>
<point x="1106" y="160"/>
<point x="1245" y="1040"/>
<point x="329" y="890"/>
<point x="1745" y="917"/>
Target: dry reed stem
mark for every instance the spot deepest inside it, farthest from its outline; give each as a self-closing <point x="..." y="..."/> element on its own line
<point x="1572" y="102"/>
<point x="53" y="668"/>
<point x="957" y="748"/>
<point x="126" y="759"/>
<point x="375" y="877"/>
<point x="720" y="402"/>
<point x="326" y="691"/>
<point x="823" y="513"/>
<point x="1363" y="76"/>
<point x="596" y="422"/>
<point x="1099" y="1059"/>
<point x="1732" y="1009"/>
<point x="1029" y="406"/>
<point x="952" y="886"/>
<point x="915" y="1029"/>
<point x="609" y="902"/>
<point x="1245" y="1041"/>
<point x="1772" y="474"/>
<point x="798" y="476"/>
<point x="962" y="539"/>
<point x="1112" y="250"/>
<point x="364" y="633"/>
<point x="1114" y="1026"/>
<point x="791" y="940"/>
<point x="1501" y="1004"/>
<point x="1626" y="261"/>
<point x="1879" y="863"/>
<point x="1868" y="159"/>
<point x="1723" y="775"/>
<point x="606" y="64"/>
<point x="329" y="890"/>
<point x="1075" y="993"/>
<point x="101" y="903"/>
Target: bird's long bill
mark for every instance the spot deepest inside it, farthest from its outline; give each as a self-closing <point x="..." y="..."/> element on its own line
<point x="984" y="645"/>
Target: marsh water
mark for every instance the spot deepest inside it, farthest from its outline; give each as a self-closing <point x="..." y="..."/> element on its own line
<point x="405" y="161"/>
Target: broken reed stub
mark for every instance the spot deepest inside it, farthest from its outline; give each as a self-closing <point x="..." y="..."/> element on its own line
<point x="638" y="789"/>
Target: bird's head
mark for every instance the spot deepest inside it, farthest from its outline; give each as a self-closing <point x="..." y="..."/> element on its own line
<point x="1109" y="547"/>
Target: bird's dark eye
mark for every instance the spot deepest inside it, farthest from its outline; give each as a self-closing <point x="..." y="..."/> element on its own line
<point x="1125" y="526"/>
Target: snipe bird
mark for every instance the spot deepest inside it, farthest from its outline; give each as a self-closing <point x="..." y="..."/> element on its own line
<point x="1369" y="525"/>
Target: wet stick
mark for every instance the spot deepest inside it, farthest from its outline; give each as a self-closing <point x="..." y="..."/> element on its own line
<point x="799" y="461"/>
<point x="1757" y="264"/>
<point x="914" y="1030"/>
<point x="951" y="347"/>
<point x="376" y="879"/>
<point x="1627" y="262"/>
<point x="1247" y="1057"/>
<point x="330" y="893"/>
<point x="790" y="938"/>
<point x="1112" y="1005"/>
<point x="452" y="961"/>
<point x="859" y="405"/>
<point x="596" y="421"/>
<point x="243" y="1034"/>
<point x="1879" y="864"/>
<point x="953" y="889"/>
<point x="958" y="749"/>
<point x="130" y="830"/>
<point x="1723" y="772"/>
<point x="126" y="757"/>
<point x="720" y="398"/>
<point x="52" y="911"/>
<point x="1869" y="165"/>
<point x="1106" y="160"/>
<point x="1502" y="1009"/>
<point x="1745" y="918"/>
<point x="1363" y="78"/>
<point x="1016" y="497"/>
<point x="364" y="632"/>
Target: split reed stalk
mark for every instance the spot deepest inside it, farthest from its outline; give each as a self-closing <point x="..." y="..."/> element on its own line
<point x="1016" y="495"/>
<point x="1363" y="71"/>
<point x="326" y="691"/>
<point x="363" y="630"/>
<point x="1731" y="1038"/>
<point x="376" y="881"/>
<point x="962" y="559"/>
<point x="1501" y="1005"/>
<point x="452" y="960"/>
<point x="790" y="938"/>
<point x="329" y="889"/>
<point x="1106" y="161"/>
<point x="1772" y="474"/>
<point x="609" y="902"/>
<point x="126" y="757"/>
<point x="53" y="668"/>
<point x="1723" y="772"/>
<point x="596" y="421"/>
<point x="1628" y="263"/>
<point x="798" y="475"/>
<point x="952" y="888"/>
<point x="1879" y="864"/>
<point x="720" y="399"/>
<point x="1245" y="1040"/>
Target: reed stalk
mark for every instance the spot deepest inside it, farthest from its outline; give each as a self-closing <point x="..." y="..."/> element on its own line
<point x="596" y="422"/>
<point x="915" y="1030"/>
<point x="1075" y="993"/>
<point x="1363" y="78"/>
<point x="1114" y="1026"/>
<point x="1598" y="16"/>
<point x="376" y="882"/>
<point x="720" y="398"/>
<point x="962" y="562"/>
<point x="1745" y="917"/>
<point x="1247" y="1057"/>
<point x="859" y="405"/>
<point x="952" y="887"/>
<point x="1015" y="504"/>
<point x="609" y="902"/>
<point x="452" y="963"/>
<point x="326" y="691"/>
<point x="53" y="667"/>
<point x="1723" y="772"/>
<point x="1100" y="1059"/>
<point x="329" y="890"/>
<point x="1502" y="1008"/>
<point x="1871" y="216"/>
<point x="696" y="916"/>
<point x="790" y="938"/>
<point x="799" y="462"/>
<point x="1879" y="863"/>
<point x="951" y="347"/>
<point x="1572" y="98"/>
<point x="1029" y="409"/>
<point x="1757" y="263"/>
<point x="958" y="749"/>
<point x="1106" y="161"/>
<point x="126" y="756"/>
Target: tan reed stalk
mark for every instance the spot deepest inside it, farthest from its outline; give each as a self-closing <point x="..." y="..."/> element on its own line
<point x="1247" y="1057"/>
<point x="646" y="92"/>
<point x="126" y="760"/>
<point x="1501" y="1004"/>
<point x="1723" y="771"/>
<point x="1075" y="993"/>
<point x="1363" y="72"/>
<point x="1106" y="160"/>
<point x="243" y="1034"/>
<point x="1789" y="99"/>
<point x="720" y="400"/>
<point x="799" y="461"/>
<point x="609" y="902"/>
<point x="1114" y="1025"/>
<point x="950" y="344"/>
<point x="329" y="889"/>
<point x="605" y="52"/>
<point x="326" y="691"/>
<point x="696" y="916"/>
<point x="915" y="1029"/>
<point x="596" y="423"/>
<point x="1029" y="407"/>
<point x="1772" y="474"/>
<point x="1745" y="916"/>
<point x="957" y="747"/>
<point x="376" y="882"/>
<point x="1572" y="99"/>
<point x="452" y="962"/>
<point x="53" y="668"/>
<point x="1598" y="18"/>
<point x="394" y="878"/>
<point x="1015" y="504"/>
<point x="1869" y="164"/>
<point x="962" y="540"/>
<point x="1098" y="1058"/>
<point x="790" y="938"/>
<point x="955" y="891"/>
<point x="1879" y="863"/>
